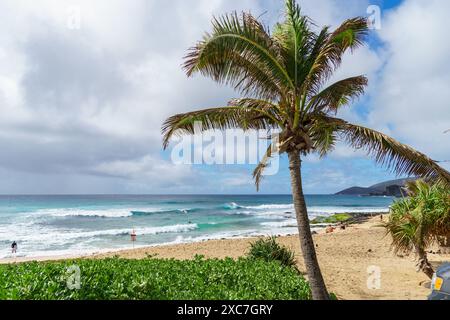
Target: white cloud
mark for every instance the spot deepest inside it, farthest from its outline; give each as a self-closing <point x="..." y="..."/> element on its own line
<point x="85" y="101"/>
<point x="412" y="98"/>
<point x="148" y="173"/>
<point x="85" y="106"/>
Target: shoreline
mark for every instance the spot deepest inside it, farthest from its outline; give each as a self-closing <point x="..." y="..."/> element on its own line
<point x="356" y="218"/>
<point x="345" y="257"/>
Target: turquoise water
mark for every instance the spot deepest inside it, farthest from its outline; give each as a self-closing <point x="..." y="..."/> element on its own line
<point x="54" y="225"/>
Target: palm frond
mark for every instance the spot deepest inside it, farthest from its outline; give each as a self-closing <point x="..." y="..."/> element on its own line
<point x="240" y="52"/>
<point x="338" y="94"/>
<point x="265" y="107"/>
<point x="254" y="103"/>
<point x="318" y="43"/>
<point x="351" y="34"/>
<point x="262" y="165"/>
<point x="295" y="38"/>
<point x="329" y="53"/>
<point x="323" y="132"/>
<point x="420" y="219"/>
<point x="403" y="234"/>
<point x="416" y="187"/>
<point x="215" y="118"/>
<point x="394" y="155"/>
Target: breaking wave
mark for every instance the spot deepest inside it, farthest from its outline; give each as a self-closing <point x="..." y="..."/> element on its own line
<point x="42" y="235"/>
<point x="110" y="213"/>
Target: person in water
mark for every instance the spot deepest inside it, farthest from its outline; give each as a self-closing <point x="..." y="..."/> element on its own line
<point x="14" y="247"/>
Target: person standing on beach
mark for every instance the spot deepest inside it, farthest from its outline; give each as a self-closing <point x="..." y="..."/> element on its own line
<point x="14" y="247"/>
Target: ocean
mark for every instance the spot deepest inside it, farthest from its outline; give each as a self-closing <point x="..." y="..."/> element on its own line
<point x="66" y="225"/>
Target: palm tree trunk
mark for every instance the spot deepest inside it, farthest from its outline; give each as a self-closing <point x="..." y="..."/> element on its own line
<point x="423" y="264"/>
<point x="317" y="284"/>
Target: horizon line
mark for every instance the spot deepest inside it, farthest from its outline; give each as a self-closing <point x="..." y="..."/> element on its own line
<point x="160" y="194"/>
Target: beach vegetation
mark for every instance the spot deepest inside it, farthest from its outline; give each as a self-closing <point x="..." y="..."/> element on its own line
<point x="153" y="279"/>
<point x="269" y="249"/>
<point x="335" y="218"/>
<point x="420" y="220"/>
<point x="284" y="78"/>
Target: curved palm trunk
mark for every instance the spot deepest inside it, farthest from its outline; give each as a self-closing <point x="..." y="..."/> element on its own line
<point x="318" y="288"/>
<point x="423" y="264"/>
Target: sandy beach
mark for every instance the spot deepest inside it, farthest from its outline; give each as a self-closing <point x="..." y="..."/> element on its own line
<point x="344" y="256"/>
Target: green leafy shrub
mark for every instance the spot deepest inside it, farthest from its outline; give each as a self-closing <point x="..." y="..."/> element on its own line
<point x="336" y="218"/>
<point x="420" y="220"/>
<point x="270" y="250"/>
<point x="154" y="279"/>
<point x="417" y="221"/>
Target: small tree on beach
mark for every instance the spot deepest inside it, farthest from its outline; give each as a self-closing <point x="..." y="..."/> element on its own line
<point x="283" y="76"/>
<point x="420" y="220"/>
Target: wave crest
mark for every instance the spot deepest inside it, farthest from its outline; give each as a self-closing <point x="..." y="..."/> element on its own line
<point x="59" y="236"/>
<point x="110" y="213"/>
<point x="231" y="206"/>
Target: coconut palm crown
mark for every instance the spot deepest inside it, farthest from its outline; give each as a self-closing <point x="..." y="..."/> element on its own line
<point x="283" y="77"/>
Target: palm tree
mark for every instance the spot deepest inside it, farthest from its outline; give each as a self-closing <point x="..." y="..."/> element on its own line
<point x="420" y="220"/>
<point x="282" y="76"/>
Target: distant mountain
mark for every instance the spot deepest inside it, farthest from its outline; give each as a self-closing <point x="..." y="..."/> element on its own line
<point x="388" y="188"/>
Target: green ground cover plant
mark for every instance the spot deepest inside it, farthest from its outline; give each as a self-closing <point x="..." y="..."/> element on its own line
<point x="153" y="279"/>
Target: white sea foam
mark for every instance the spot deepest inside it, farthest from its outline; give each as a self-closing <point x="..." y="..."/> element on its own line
<point x="81" y="248"/>
<point x="105" y="213"/>
<point x="55" y="236"/>
<point x="316" y="210"/>
<point x="284" y="209"/>
<point x="217" y="236"/>
<point x="271" y="206"/>
<point x="72" y="251"/>
<point x="280" y="224"/>
<point x="247" y="233"/>
<point x="264" y="209"/>
<point x="110" y="213"/>
<point x="46" y="231"/>
<point x="231" y="206"/>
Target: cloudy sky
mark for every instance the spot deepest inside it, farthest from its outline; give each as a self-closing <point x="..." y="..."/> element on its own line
<point x="85" y="86"/>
